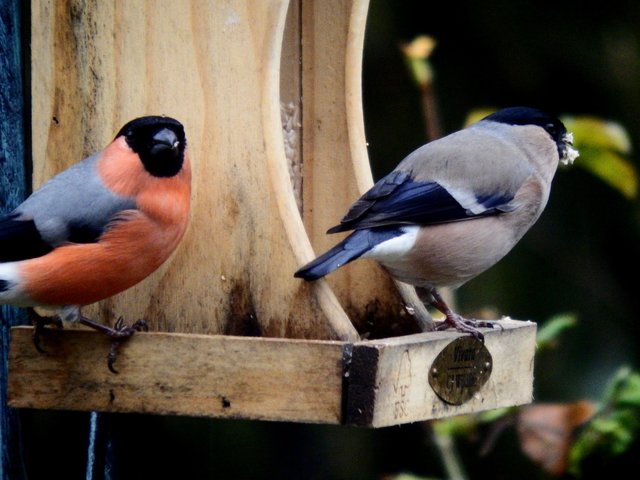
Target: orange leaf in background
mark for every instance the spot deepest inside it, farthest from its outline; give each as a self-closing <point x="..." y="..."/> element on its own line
<point x="546" y="432"/>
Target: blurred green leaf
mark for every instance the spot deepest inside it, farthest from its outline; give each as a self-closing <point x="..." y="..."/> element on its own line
<point x="593" y="132"/>
<point x="630" y="393"/>
<point x="603" y="147"/>
<point x="478" y="114"/>
<point x="616" y="423"/>
<point x="495" y="414"/>
<point x="611" y="168"/>
<point x="458" y="425"/>
<point x="615" y="383"/>
<point x="550" y="331"/>
<point x="416" y="54"/>
<point x="623" y="389"/>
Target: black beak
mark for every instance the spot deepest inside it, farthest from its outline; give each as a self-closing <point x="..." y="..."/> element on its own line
<point x="165" y="139"/>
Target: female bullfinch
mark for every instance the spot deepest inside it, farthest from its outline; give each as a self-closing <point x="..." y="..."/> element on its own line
<point x="99" y="227"/>
<point x="454" y="207"/>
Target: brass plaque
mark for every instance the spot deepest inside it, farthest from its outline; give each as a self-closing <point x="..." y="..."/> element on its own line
<point x="460" y="370"/>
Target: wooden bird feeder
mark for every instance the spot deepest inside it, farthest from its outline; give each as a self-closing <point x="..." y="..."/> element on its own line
<point x="269" y="93"/>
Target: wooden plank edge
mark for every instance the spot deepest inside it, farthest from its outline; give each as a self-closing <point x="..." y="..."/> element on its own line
<point x="179" y="374"/>
<point x="388" y="378"/>
<point x="274" y="379"/>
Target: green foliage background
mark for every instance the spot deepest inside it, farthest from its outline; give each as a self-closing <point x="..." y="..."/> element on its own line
<point x="572" y="58"/>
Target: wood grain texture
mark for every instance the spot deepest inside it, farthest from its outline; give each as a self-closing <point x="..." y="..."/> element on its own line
<point x="260" y="154"/>
<point x="336" y="168"/>
<point x="358" y="149"/>
<point x="370" y="383"/>
<point x="180" y="374"/>
<point x="210" y="65"/>
<point x="395" y="387"/>
<point x="284" y="177"/>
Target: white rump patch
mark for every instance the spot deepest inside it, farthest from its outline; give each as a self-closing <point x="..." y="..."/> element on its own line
<point x="394" y="248"/>
<point x="13" y="295"/>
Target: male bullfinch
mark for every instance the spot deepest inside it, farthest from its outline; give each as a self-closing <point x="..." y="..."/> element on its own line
<point x="99" y="227"/>
<point x="455" y="206"/>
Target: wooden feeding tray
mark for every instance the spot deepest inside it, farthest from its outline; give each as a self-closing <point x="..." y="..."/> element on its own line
<point x="371" y="383"/>
<point x="269" y="93"/>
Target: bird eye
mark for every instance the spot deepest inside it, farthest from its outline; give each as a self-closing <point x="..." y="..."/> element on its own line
<point x="551" y="128"/>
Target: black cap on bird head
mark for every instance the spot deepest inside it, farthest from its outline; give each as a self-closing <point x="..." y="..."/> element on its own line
<point x="159" y="142"/>
<point x="532" y="116"/>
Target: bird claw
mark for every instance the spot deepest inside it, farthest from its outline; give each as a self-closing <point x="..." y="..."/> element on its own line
<point x="467" y="325"/>
<point x="39" y="322"/>
<point x="461" y="324"/>
<point x="122" y="332"/>
<point x="119" y="333"/>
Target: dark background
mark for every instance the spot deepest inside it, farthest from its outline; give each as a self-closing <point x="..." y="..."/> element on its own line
<point x="572" y="57"/>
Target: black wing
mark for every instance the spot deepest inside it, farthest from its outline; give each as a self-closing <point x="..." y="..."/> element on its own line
<point x="20" y="239"/>
<point x="398" y="199"/>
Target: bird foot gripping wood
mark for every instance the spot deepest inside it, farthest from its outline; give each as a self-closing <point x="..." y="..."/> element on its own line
<point x="119" y="333"/>
<point x="39" y="322"/>
<point x="466" y="325"/>
<point x="461" y="324"/>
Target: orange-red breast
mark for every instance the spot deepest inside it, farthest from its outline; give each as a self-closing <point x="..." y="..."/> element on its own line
<point x="102" y="225"/>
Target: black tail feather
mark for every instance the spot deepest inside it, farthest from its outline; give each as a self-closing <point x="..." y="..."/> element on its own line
<point x="329" y="261"/>
<point x="20" y="240"/>
<point x="351" y="248"/>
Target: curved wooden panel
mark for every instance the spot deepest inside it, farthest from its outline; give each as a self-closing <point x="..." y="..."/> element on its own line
<point x="358" y="143"/>
<point x="285" y="196"/>
<point x="336" y="169"/>
<point x="214" y="66"/>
